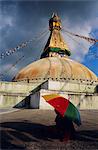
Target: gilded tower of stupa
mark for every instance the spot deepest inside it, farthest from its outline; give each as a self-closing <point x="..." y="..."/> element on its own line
<point x="55" y="44"/>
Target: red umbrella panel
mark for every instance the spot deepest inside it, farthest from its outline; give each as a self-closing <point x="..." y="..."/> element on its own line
<point x="64" y="107"/>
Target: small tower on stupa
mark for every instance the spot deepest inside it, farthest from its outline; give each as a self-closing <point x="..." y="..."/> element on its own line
<point x="55" y="45"/>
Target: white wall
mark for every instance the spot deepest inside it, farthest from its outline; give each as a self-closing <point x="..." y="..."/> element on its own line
<point x="81" y="94"/>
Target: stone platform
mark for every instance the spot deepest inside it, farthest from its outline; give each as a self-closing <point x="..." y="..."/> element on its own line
<point x="31" y="129"/>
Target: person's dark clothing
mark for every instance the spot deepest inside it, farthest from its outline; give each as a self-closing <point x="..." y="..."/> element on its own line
<point x="65" y="127"/>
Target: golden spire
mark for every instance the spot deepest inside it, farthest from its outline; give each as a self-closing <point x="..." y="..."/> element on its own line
<point x="55" y="45"/>
<point x="55" y="22"/>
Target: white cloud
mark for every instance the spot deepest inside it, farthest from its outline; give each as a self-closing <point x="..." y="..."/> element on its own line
<point x="8" y="70"/>
<point x="78" y="46"/>
<point x="4" y="21"/>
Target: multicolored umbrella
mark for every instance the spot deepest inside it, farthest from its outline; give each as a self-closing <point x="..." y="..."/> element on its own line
<point x="64" y="107"/>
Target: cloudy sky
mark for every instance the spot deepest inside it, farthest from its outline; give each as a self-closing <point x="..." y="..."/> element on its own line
<point x="23" y="20"/>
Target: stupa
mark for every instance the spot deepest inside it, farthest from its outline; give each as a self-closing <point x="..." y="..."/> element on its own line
<point x="54" y="72"/>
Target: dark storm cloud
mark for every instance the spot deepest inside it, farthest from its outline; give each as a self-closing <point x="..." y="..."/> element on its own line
<point x="28" y="18"/>
<point x="22" y="20"/>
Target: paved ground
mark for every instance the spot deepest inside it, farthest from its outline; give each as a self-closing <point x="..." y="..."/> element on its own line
<point x="35" y="130"/>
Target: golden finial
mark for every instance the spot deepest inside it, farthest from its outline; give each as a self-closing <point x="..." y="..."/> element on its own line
<point x="54" y="22"/>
